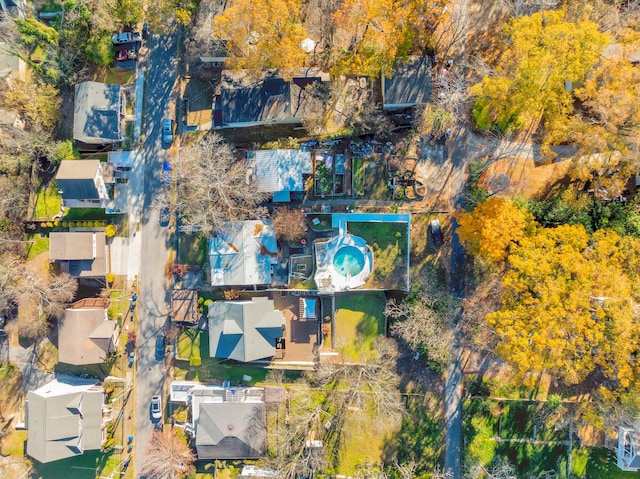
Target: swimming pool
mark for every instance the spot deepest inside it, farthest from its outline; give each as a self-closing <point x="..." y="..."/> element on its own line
<point x="348" y="261"/>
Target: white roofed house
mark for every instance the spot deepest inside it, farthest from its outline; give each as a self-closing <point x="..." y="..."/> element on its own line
<point x="243" y="253"/>
<point x="64" y="419"/>
<point x="282" y="173"/>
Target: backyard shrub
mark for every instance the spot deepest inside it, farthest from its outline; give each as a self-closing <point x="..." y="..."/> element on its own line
<point x="56" y="223"/>
<point x="195" y="361"/>
<point x="85" y="224"/>
<point x="65" y="224"/>
<point x="231" y="294"/>
<point x="200" y="300"/>
<point x="49" y="224"/>
<point x="65" y="150"/>
<point x="110" y="231"/>
<point x="43" y="225"/>
<point x="111" y="278"/>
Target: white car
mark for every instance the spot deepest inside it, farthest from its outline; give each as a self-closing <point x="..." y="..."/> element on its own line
<point x="126" y="37"/>
<point x="167" y="131"/>
<point x="156" y="407"/>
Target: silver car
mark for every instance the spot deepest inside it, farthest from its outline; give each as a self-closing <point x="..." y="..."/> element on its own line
<point x="156" y="407"/>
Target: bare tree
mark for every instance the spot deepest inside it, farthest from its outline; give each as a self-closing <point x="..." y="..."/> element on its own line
<point x="51" y="295"/>
<point x="8" y="266"/>
<point x="500" y="468"/>
<point x="168" y="456"/>
<point x="290" y="224"/>
<point x="296" y="452"/>
<point x="213" y="186"/>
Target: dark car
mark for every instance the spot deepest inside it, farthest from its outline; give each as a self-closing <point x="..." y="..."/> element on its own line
<point x="164" y="216"/>
<point x="160" y="347"/>
<point x="436" y="233"/>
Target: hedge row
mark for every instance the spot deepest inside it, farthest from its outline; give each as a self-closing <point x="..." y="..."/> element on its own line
<point x="73" y="224"/>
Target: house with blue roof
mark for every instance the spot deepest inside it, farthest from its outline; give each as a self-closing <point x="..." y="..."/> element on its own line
<point x="244" y="330"/>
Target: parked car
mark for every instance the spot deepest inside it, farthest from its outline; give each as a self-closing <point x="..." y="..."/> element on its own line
<point x="166" y="172"/>
<point x="126" y="55"/>
<point x="160" y="347"/>
<point x="436" y="233"/>
<point x="167" y="131"/>
<point x="164" y="216"/>
<point x="126" y="37"/>
<point x="156" y="407"/>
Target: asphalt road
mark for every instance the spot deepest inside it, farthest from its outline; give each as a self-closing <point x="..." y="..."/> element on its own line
<point x="161" y="68"/>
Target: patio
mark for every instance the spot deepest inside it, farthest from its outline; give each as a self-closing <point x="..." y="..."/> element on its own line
<point x="301" y="333"/>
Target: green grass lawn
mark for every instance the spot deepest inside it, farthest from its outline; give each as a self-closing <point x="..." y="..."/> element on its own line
<point x="359" y="320"/>
<point x="40" y="245"/>
<point x="86" y="466"/>
<point x="47" y="202"/>
<point x="485" y="419"/>
<point x="84" y="214"/>
<point x="189" y="344"/>
<point x="195" y="343"/>
<point x="192" y="249"/>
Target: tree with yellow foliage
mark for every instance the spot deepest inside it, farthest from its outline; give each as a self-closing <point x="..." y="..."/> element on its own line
<point x="263" y="34"/>
<point x="490" y="230"/>
<point x="569" y="306"/>
<point x="380" y="33"/>
<point x="544" y="53"/>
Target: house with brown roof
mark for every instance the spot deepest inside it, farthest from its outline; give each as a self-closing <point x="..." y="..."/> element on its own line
<point x="83" y="183"/>
<point x="86" y="335"/>
<point x="82" y="254"/>
<point x="184" y="306"/>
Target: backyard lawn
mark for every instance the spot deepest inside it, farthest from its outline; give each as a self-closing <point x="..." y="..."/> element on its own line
<point x="192" y="249"/>
<point x="194" y="343"/>
<point x="388" y="242"/>
<point x="359" y="319"/>
<point x="84" y="214"/>
<point x="486" y="419"/>
<point x="39" y="245"/>
<point x="47" y="202"/>
<point x="86" y="466"/>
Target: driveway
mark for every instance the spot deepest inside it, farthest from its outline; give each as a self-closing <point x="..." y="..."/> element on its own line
<point x="161" y="68"/>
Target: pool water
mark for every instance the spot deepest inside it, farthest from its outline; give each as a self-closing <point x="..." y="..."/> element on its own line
<point x="348" y="261"/>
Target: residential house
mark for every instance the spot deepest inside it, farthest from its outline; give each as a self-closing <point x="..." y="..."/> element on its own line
<point x="83" y="183"/>
<point x="98" y="116"/>
<point x="410" y="85"/>
<point x="628" y="450"/>
<point x="226" y="422"/>
<point x="269" y="99"/>
<point x="11" y="65"/>
<point x="184" y="306"/>
<point x="243" y="253"/>
<point x="85" y="333"/>
<point x="10" y="9"/>
<point x="82" y="254"/>
<point x="64" y="419"/>
<point x="282" y="173"/>
<point x="245" y="330"/>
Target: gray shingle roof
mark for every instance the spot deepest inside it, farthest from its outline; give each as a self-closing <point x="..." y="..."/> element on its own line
<point x="279" y="170"/>
<point x="64" y="419"/>
<point x="410" y="84"/>
<point x="230" y="430"/>
<point x="85" y="336"/>
<point x="244" y="330"/>
<point x="246" y="100"/>
<point x="96" y="116"/>
<point x="76" y="179"/>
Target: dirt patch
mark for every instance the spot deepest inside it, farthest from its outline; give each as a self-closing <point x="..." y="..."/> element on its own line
<point x="516" y="176"/>
<point x="64" y="130"/>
